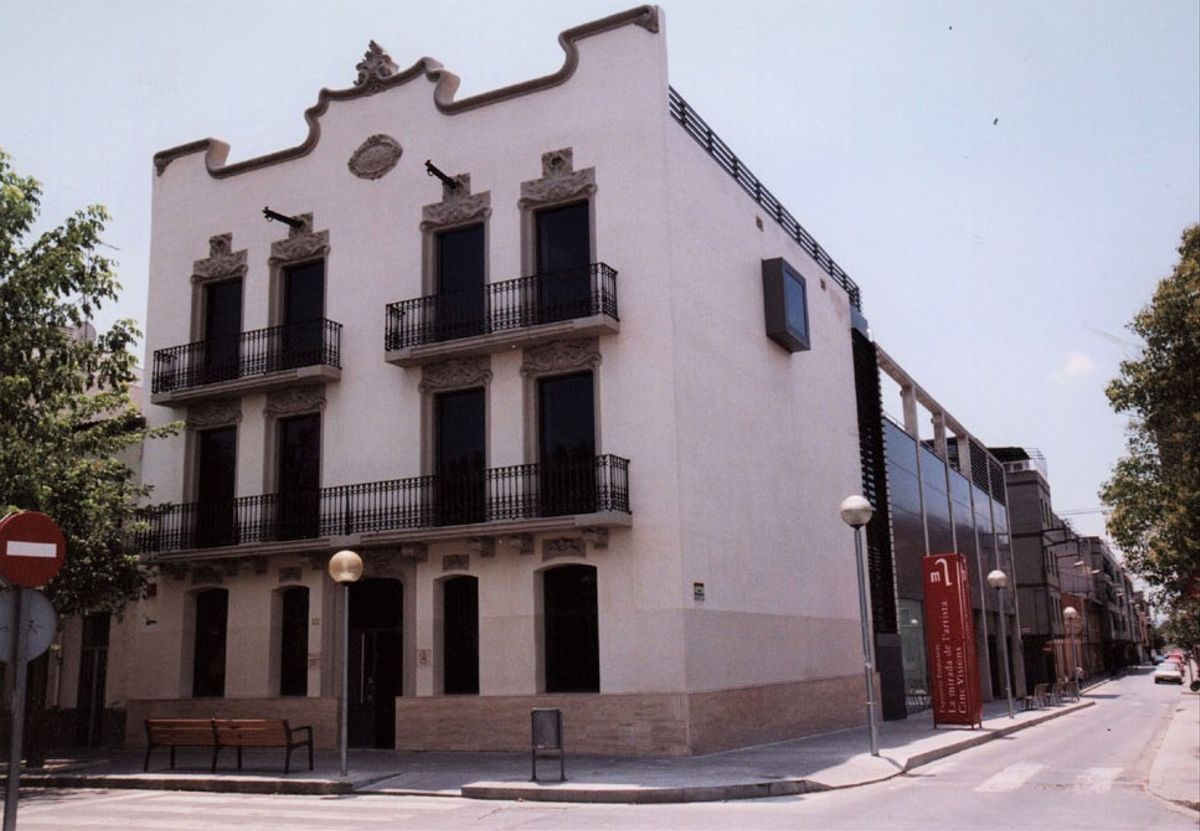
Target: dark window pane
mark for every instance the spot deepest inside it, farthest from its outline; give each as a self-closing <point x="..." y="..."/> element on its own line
<point x="299" y="477"/>
<point x="460" y="441"/>
<point x="460" y="636"/>
<point x="795" y="305"/>
<point x="222" y="329"/>
<point x="293" y="642"/>
<point x="567" y="444"/>
<point x="564" y="252"/>
<point x="460" y="288"/>
<point x="572" y="633"/>
<point x="208" y="666"/>
<point x="216" y="468"/>
<point x="303" y="314"/>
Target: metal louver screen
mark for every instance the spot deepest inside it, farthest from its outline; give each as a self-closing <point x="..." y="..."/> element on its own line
<point x="979" y="466"/>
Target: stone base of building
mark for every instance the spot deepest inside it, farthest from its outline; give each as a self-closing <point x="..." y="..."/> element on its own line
<point x="636" y="724"/>
<point x="319" y="713"/>
<point x="633" y="724"/>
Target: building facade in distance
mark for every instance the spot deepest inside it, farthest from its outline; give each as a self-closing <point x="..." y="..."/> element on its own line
<point x="568" y="377"/>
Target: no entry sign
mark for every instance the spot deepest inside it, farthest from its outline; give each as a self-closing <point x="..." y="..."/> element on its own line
<point x="32" y="549"/>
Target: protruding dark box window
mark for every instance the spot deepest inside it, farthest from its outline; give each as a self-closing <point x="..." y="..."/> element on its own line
<point x="785" y="305"/>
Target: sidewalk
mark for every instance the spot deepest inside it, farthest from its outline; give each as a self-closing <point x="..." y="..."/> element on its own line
<point x="831" y="760"/>
<point x="1175" y="772"/>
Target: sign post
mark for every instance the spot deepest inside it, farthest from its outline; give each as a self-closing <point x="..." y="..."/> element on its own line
<point x="32" y="550"/>
<point x="950" y="639"/>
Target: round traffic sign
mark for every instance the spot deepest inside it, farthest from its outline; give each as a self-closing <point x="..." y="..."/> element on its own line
<point x="41" y="621"/>
<point x="32" y="549"/>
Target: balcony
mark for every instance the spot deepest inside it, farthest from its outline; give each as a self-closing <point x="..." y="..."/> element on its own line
<point x="521" y="312"/>
<point x="296" y="353"/>
<point x="504" y="500"/>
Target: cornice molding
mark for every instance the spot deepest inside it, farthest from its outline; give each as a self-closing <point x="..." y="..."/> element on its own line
<point x="560" y="181"/>
<point x="377" y="73"/>
<point x="458" y="206"/>
<point x="222" y="262"/>
<point x="561" y="356"/>
<point x="294" y="401"/>
<point x="301" y="244"/>
<point x="214" y="414"/>
<point x="456" y="373"/>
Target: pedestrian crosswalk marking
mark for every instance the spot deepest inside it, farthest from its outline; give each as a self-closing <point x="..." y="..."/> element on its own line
<point x="1011" y="778"/>
<point x="1098" y="780"/>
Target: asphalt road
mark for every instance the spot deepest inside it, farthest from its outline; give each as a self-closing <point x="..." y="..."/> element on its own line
<point x="1086" y="770"/>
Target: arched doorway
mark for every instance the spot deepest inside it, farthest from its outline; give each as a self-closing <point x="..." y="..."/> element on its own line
<point x="208" y="655"/>
<point x="376" y="661"/>
<point x="572" y="629"/>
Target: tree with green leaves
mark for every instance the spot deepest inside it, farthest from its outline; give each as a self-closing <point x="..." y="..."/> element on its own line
<point x="65" y="409"/>
<point x="1154" y="492"/>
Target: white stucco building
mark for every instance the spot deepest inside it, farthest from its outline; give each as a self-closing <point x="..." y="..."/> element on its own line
<point x="531" y="385"/>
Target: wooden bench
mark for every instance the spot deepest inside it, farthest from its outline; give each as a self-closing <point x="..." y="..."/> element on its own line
<point x="261" y="732"/>
<point x="227" y="732"/>
<point x="179" y="732"/>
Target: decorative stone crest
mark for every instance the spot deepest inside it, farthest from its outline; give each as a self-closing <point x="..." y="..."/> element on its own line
<point x="561" y="356"/>
<point x="458" y="205"/>
<point x="381" y="564"/>
<point x="560" y="181"/>
<point x="259" y="565"/>
<point x="301" y="244"/>
<point x="375" y="157"/>
<point x="294" y="401"/>
<point x="483" y="546"/>
<point x="562" y="547"/>
<point x="222" y="263"/>
<point x="522" y="542"/>
<point x="291" y="574"/>
<point x="214" y="414"/>
<point x="375" y="68"/>
<point x="456" y="562"/>
<point x="456" y="373"/>
<point x="416" y="551"/>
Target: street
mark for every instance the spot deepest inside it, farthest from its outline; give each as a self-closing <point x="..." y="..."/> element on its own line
<point x="1085" y="770"/>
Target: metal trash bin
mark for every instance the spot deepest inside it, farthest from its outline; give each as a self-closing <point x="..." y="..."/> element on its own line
<point x="546" y="734"/>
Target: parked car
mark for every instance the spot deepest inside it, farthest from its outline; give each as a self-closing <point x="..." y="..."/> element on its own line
<point x="1168" y="671"/>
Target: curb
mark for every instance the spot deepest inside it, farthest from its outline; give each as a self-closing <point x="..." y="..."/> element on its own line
<point x="722" y="793"/>
<point x="300" y="787"/>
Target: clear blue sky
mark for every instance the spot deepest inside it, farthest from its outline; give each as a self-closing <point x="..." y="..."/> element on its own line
<point x="1006" y="181"/>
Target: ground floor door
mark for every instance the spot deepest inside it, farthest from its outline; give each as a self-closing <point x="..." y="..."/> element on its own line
<point x="376" y="661"/>
<point x="93" y="672"/>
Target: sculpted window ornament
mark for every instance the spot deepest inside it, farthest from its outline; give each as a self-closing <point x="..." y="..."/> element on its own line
<point x="222" y="263"/>
<point x="560" y="182"/>
<point x="458" y="206"/>
<point x="456" y="373"/>
<point x="565" y="547"/>
<point x="456" y="562"/>
<point x="214" y="414"/>
<point x="294" y="401"/>
<point x="375" y="68"/>
<point x="301" y="244"/>
<point x="561" y="356"/>
<point x="375" y="157"/>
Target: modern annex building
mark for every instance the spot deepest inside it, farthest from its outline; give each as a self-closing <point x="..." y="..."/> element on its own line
<point x="575" y="385"/>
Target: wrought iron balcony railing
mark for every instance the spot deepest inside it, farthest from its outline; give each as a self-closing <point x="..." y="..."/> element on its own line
<point x="259" y="352"/>
<point x="584" y="486"/>
<point x="498" y="307"/>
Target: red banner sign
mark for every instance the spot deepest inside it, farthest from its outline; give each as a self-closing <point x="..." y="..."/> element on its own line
<point x="950" y="639"/>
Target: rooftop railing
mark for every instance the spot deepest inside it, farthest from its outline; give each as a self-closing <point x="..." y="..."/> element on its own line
<point x="560" y="488"/>
<point x="696" y="127"/>
<point x="258" y="352"/>
<point x="498" y="307"/>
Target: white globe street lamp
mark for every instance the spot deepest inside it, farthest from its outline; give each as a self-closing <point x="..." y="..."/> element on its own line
<point x="345" y="567"/>
<point x="997" y="579"/>
<point x="1070" y="613"/>
<point x="856" y="512"/>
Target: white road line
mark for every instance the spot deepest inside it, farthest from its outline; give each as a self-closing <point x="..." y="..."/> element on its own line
<point x="1097" y="780"/>
<point x="1011" y="778"/>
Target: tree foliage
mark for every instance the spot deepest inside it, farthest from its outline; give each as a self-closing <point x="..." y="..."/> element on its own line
<point x="1154" y="492"/>
<point x="65" y="409"/>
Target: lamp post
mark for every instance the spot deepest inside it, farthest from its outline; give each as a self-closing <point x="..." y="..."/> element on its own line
<point x="1070" y="614"/>
<point x="856" y="512"/>
<point x="997" y="579"/>
<point x="345" y="567"/>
